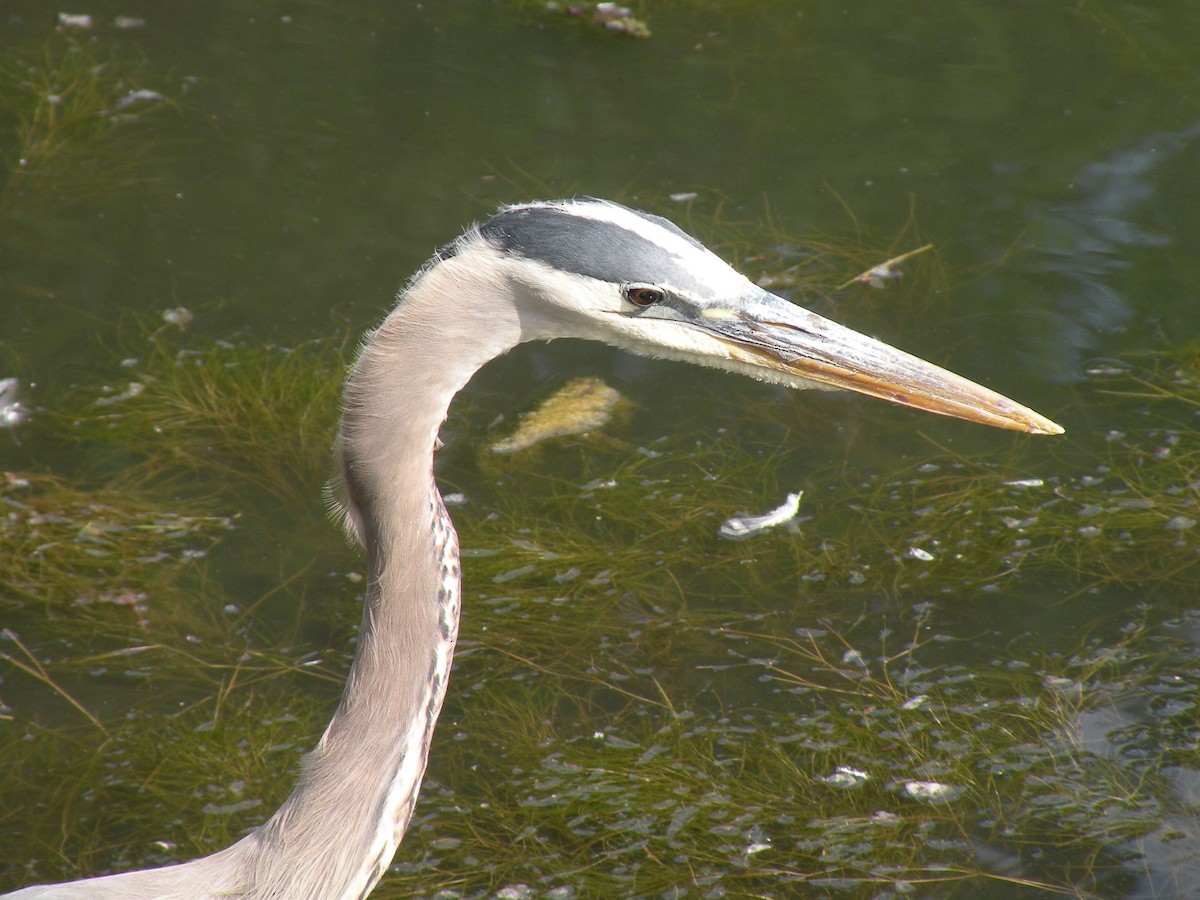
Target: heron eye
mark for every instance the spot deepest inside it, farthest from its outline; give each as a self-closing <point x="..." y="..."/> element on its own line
<point x="643" y="296"/>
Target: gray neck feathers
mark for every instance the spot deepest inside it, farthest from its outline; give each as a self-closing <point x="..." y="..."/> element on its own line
<point x="336" y="834"/>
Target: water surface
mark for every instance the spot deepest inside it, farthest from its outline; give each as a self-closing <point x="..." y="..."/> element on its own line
<point x="306" y="157"/>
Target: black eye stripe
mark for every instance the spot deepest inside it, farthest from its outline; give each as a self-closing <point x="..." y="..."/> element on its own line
<point x="641" y="295"/>
<point x="571" y="240"/>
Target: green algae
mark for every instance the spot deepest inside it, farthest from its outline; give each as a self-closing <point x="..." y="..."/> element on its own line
<point x="76" y="111"/>
<point x="59" y="542"/>
<point x="635" y="712"/>
<point x="228" y="416"/>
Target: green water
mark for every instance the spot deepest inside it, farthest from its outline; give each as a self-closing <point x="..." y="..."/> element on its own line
<point x="638" y="708"/>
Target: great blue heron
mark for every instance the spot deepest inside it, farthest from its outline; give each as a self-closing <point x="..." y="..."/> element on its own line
<point x="538" y="271"/>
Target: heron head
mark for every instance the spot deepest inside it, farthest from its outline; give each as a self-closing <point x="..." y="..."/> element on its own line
<point x="595" y="269"/>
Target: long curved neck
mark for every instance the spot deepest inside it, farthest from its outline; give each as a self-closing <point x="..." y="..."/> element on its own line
<point x="368" y="766"/>
<point x="335" y="836"/>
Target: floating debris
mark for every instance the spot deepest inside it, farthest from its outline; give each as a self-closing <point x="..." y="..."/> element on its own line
<point x="511" y="574"/>
<point x="142" y="96"/>
<point x="1107" y="368"/>
<point x="741" y="527"/>
<point x="579" y="406"/>
<point x="178" y="315"/>
<point x="1062" y="684"/>
<point x="515" y="892"/>
<point x="884" y="272"/>
<point x="845" y="777"/>
<point x="918" y="553"/>
<point x="135" y="389"/>
<point x="217" y="809"/>
<point x="597" y="483"/>
<point x="609" y="16"/>
<point x="12" y="413"/>
<point x="930" y="791"/>
<point x="853" y="657"/>
<point x="72" y="20"/>
<point x="1019" y="524"/>
<point x="137" y="601"/>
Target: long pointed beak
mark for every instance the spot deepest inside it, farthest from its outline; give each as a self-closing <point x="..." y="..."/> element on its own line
<point x="767" y="331"/>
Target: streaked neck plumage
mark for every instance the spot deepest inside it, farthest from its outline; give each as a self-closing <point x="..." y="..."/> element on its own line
<point x="396" y="399"/>
<point x="585" y="269"/>
<point x="367" y="768"/>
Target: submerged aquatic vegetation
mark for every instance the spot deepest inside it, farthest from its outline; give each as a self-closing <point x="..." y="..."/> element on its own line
<point x="946" y="523"/>
<point x="210" y="767"/>
<point x="62" y="546"/>
<point x="227" y="416"/>
<point x="852" y="766"/>
<point x="70" y="106"/>
<point x="635" y="709"/>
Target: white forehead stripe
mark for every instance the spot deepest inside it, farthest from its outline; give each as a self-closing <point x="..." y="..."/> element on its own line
<point x="611" y="243"/>
<point x="704" y="265"/>
<point x="643" y="226"/>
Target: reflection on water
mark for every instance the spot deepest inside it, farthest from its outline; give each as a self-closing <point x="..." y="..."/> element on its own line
<point x="1086" y="242"/>
<point x="639" y="708"/>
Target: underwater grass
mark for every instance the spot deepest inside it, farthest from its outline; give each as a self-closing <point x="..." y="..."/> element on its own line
<point x="511" y="788"/>
<point x="943" y="523"/>
<point x="58" y="542"/>
<point x="72" y="108"/>
<point x="613" y="795"/>
<point x="229" y="417"/>
<point x="634" y="712"/>
<point x="134" y="801"/>
<point x="831" y="786"/>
